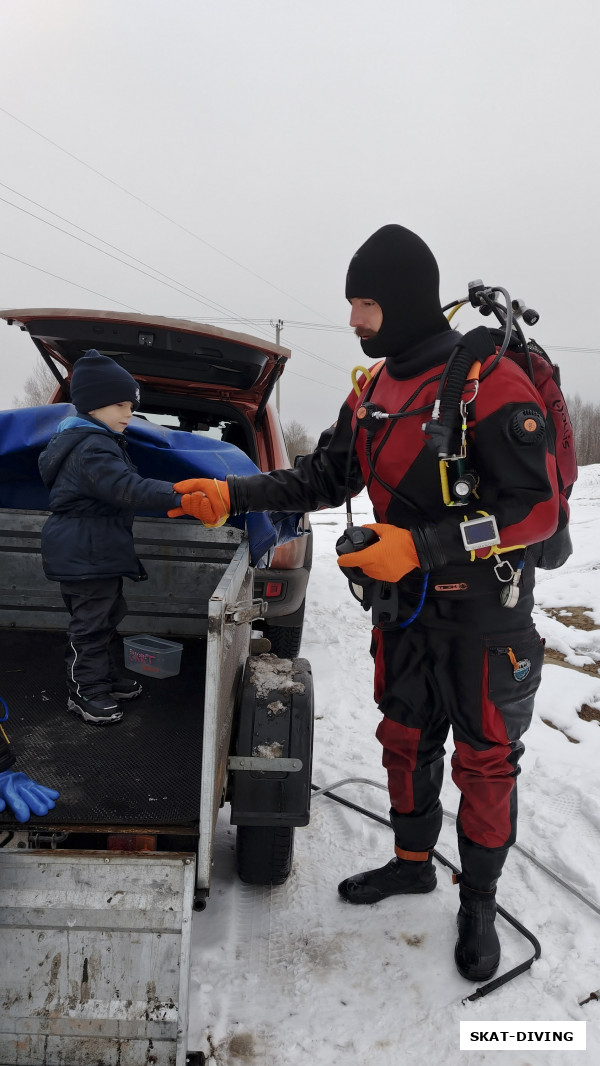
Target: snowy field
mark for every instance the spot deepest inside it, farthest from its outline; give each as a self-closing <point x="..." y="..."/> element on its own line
<point x="294" y="976"/>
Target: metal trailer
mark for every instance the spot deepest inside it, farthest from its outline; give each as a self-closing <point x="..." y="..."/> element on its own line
<point x="96" y="899"/>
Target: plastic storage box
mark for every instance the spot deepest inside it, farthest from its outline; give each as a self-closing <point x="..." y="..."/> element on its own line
<point x="152" y="655"/>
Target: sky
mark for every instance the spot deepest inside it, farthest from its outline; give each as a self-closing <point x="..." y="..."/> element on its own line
<point x="223" y="160"/>
<point x="293" y="975"/>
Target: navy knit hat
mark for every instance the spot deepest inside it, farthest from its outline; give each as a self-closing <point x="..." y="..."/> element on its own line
<point x="395" y="268"/>
<point x="97" y="381"/>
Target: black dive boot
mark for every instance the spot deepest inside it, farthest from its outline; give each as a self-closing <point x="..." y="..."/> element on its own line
<point x="398" y="877"/>
<point x="477" y="951"/>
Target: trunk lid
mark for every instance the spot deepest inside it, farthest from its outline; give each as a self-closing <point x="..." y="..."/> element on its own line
<point x="181" y="354"/>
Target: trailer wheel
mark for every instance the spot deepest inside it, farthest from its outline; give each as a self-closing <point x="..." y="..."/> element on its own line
<point x="264" y="853"/>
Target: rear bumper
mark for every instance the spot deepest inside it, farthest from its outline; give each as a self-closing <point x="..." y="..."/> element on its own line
<point x="293" y="591"/>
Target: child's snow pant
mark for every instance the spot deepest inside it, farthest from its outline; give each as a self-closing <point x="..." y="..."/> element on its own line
<point x="96" y="607"/>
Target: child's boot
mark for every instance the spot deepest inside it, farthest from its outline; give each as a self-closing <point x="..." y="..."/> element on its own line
<point x="100" y="709"/>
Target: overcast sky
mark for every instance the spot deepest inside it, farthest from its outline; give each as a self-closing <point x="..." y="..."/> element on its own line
<point x="246" y="148"/>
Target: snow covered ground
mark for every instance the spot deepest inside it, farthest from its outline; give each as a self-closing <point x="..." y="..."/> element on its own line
<point x="293" y="976"/>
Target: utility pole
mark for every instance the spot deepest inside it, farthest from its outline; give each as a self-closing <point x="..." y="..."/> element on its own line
<point x="277" y="326"/>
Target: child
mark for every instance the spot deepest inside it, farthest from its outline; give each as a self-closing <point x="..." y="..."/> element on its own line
<point x="87" y="542"/>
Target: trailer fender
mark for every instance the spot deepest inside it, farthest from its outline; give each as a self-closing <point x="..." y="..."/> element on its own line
<point x="274" y="726"/>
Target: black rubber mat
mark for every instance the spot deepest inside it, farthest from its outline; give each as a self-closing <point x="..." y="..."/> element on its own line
<point x="143" y="771"/>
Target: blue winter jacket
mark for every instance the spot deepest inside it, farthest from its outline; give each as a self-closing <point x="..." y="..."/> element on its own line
<point x="94" y="494"/>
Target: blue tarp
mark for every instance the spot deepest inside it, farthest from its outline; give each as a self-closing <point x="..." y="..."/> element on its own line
<point x="166" y="454"/>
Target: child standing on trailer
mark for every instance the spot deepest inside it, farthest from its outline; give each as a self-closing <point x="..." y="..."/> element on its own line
<point x="87" y="543"/>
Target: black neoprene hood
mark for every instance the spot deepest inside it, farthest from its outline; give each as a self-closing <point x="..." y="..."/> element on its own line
<point x="395" y="268"/>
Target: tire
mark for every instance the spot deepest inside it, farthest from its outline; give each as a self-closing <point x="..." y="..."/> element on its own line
<point x="285" y="640"/>
<point x="264" y="853"/>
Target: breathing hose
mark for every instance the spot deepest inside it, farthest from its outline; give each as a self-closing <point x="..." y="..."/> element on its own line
<point x="491" y="986"/>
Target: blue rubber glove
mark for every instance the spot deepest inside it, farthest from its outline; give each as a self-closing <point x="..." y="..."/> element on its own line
<point x="23" y="796"/>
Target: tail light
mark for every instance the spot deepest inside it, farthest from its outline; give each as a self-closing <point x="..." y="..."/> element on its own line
<point x="289" y="556"/>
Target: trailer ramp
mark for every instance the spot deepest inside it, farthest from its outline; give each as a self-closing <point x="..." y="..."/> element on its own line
<point x="95" y="958"/>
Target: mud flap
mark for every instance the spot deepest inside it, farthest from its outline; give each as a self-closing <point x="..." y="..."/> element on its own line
<point x="275" y="722"/>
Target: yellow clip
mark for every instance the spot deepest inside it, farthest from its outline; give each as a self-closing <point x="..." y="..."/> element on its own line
<point x="472" y="556"/>
<point x="495" y="550"/>
<point x="4" y="735"/>
<point x="222" y="521"/>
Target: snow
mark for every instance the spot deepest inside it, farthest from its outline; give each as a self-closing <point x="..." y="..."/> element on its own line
<point x="292" y="975"/>
<point x="268" y="673"/>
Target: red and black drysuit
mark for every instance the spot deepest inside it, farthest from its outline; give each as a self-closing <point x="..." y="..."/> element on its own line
<point x="455" y="663"/>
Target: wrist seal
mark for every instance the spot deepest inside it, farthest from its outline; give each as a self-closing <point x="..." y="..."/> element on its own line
<point x="238" y="494"/>
<point x="428" y="547"/>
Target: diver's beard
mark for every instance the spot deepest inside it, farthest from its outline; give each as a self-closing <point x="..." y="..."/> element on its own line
<point x="365" y="334"/>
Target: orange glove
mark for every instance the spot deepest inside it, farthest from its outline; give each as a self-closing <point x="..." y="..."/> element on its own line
<point x="203" y="498"/>
<point x="393" y="556"/>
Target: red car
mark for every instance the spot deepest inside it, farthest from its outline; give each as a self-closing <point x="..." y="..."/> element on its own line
<point x="204" y="380"/>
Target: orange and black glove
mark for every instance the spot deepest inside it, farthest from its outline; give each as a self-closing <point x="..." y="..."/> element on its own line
<point x="392" y="557"/>
<point x="204" y="498"/>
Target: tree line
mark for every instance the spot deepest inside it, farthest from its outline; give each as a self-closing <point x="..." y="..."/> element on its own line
<point x="585" y="418"/>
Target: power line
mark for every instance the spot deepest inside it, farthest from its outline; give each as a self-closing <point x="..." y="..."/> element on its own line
<point x="190" y="292"/>
<point x="317" y="325"/>
<point x="68" y="282"/>
<point x="290" y="324"/>
<point x="161" y="214"/>
<point x="95" y="236"/>
<point x="171" y="283"/>
<point x="301" y="325"/>
<point x="325" y="384"/>
<point x="570" y="348"/>
<point x="176" y="285"/>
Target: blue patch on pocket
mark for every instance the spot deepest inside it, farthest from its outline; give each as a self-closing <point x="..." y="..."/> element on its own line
<point x="521" y="670"/>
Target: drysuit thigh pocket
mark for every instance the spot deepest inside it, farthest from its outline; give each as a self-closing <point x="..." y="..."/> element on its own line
<point x="514" y="672"/>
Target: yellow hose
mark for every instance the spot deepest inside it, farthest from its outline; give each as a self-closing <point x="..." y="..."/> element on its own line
<point x="456" y="308"/>
<point x="445" y="484"/>
<point x="356" y="371"/>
